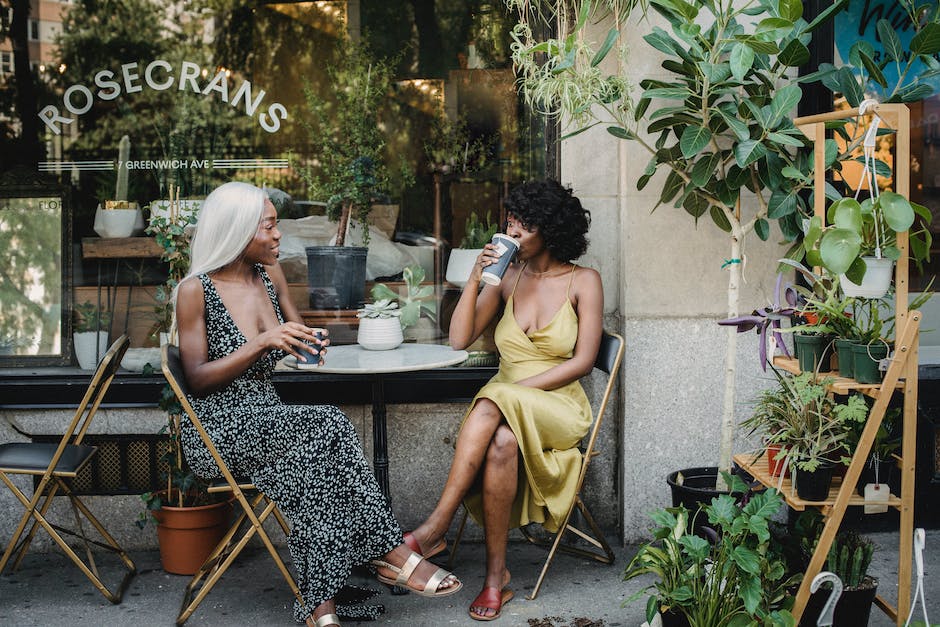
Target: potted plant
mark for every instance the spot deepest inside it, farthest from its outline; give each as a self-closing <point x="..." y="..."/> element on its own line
<point x="477" y="234"/>
<point x="817" y="433"/>
<point x="849" y="558"/>
<point x="348" y="140"/>
<point x="90" y="334"/>
<point x="860" y="241"/>
<point x="382" y="322"/>
<point x="725" y="139"/>
<point x="190" y="521"/>
<point x="738" y="578"/>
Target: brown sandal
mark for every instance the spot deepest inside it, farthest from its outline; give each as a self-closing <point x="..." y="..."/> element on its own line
<point x="492" y="598"/>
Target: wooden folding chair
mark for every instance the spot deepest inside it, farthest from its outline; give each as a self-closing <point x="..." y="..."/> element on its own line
<point x="608" y="361"/>
<point x="53" y="466"/>
<point x="250" y="521"/>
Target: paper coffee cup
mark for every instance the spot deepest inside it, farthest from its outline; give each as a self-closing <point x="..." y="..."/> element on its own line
<point x="506" y="247"/>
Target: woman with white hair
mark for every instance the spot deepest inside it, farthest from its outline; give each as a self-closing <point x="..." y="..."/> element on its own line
<point x="235" y="321"/>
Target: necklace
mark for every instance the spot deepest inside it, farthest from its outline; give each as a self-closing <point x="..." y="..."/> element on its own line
<point x="544" y="273"/>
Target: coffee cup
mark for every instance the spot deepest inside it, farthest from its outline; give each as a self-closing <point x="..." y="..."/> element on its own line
<point x="506" y="248"/>
<point x="311" y="358"/>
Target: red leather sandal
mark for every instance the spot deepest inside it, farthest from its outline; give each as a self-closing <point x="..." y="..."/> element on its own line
<point x="491" y="598"/>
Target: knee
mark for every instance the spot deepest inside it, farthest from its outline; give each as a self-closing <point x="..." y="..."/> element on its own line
<point x="487" y="409"/>
<point x="504" y="446"/>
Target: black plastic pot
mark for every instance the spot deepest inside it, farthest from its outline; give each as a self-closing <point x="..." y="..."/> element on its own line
<point x="336" y="276"/>
<point x="852" y="610"/>
<point x="673" y="618"/>
<point x="697" y="488"/>
<point x="814" y="485"/>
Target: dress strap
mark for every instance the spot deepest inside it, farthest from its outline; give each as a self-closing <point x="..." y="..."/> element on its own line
<point x="570" y="279"/>
<point x="518" y="276"/>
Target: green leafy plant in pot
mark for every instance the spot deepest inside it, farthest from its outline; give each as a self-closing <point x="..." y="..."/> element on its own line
<point x="724" y="137"/>
<point x="382" y="322"/>
<point x="738" y="579"/>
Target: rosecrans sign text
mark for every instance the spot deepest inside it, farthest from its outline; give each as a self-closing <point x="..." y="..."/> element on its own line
<point x="160" y="75"/>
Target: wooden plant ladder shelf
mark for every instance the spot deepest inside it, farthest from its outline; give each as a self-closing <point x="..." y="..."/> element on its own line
<point x="901" y="376"/>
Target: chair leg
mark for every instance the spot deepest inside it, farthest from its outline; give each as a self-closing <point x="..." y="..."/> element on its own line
<point x="453" y="549"/>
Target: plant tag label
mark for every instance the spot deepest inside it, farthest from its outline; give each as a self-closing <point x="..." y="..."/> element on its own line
<point x="876" y="498"/>
<point x="883" y="364"/>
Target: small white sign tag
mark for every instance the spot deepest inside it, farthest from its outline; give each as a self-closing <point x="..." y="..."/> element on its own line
<point x="876" y="498"/>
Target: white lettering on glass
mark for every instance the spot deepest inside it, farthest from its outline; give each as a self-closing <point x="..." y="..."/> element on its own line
<point x="276" y="111"/>
<point x="109" y="89"/>
<point x="129" y="77"/>
<point x="189" y="72"/>
<point x="148" y="75"/>
<point x="67" y="99"/>
<point x="189" y="77"/>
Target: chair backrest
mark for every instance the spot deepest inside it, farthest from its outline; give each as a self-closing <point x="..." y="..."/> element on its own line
<point x="97" y="389"/>
<point x="173" y="372"/>
<point x="609" y="357"/>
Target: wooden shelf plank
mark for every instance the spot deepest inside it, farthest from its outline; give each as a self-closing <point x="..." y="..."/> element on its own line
<point x="839" y="385"/>
<point x="120" y="247"/>
<point x="758" y="468"/>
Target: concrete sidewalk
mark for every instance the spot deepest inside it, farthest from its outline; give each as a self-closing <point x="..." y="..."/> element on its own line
<point x="48" y="590"/>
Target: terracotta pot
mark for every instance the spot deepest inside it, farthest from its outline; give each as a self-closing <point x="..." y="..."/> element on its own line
<point x="187" y="535"/>
<point x="774" y="465"/>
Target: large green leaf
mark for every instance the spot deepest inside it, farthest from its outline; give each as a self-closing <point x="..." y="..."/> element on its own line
<point x="757" y="45"/>
<point x="839" y="248"/>
<point x="762" y="228"/>
<point x="742" y="57"/>
<point x="794" y="54"/>
<point x="714" y="72"/>
<point x="873" y="70"/>
<point x="667" y="93"/>
<point x="720" y="219"/>
<point x="790" y="9"/>
<point x="927" y="41"/>
<point x="693" y="140"/>
<point x="783" y="101"/>
<point x="781" y="204"/>
<point x="749" y="151"/>
<point x="894" y="51"/>
<point x="620" y="133"/>
<point x="785" y="140"/>
<point x="739" y="128"/>
<point x="773" y="28"/>
<point x="849" y="86"/>
<point x="704" y="169"/>
<point x="605" y="47"/>
<point x="845" y="213"/>
<point x="913" y="92"/>
<point x="898" y="213"/>
<point x="671" y="187"/>
<point x="823" y="17"/>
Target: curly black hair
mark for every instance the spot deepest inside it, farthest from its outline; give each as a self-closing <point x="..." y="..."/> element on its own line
<point x="556" y="212"/>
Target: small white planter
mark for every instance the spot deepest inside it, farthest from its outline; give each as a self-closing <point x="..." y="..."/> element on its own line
<point x="117" y="222"/>
<point x="85" y="348"/>
<point x="460" y="265"/>
<point x="379" y="334"/>
<point x="876" y="282"/>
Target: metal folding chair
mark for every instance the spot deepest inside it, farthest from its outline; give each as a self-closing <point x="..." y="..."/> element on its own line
<point x="608" y="361"/>
<point x="254" y="510"/>
<point x="53" y="466"/>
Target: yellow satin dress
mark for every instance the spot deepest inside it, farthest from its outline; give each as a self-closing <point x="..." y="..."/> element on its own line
<point x="548" y="425"/>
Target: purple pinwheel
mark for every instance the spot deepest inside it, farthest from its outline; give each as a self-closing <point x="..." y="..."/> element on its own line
<point x="768" y="318"/>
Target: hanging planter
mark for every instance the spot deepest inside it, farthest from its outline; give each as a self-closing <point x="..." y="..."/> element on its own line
<point x="876" y="281"/>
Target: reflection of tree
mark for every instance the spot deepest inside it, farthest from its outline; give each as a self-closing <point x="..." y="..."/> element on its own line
<point x="22" y="89"/>
<point x="30" y="279"/>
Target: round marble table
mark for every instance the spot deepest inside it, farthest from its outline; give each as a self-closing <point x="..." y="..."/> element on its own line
<point x="354" y="360"/>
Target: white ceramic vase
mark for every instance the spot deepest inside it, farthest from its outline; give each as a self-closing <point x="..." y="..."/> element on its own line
<point x="379" y="334"/>
<point x="460" y="265"/>
<point x="85" y="348"/>
<point x="876" y="281"/>
<point x="117" y="222"/>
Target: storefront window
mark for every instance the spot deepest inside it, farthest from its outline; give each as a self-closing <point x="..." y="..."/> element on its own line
<point x="126" y="100"/>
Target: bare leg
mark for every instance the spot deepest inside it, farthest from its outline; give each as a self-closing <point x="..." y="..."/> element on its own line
<point x="327" y="607"/>
<point x="472" y="444"/>
<point x="500" y="481"/>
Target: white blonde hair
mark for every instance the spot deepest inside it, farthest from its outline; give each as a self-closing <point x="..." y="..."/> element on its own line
<point x="228" y="221"/>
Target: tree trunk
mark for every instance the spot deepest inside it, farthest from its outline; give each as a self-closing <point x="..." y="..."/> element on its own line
<point x="343" y="225"/>
<point x="726" y="443"/>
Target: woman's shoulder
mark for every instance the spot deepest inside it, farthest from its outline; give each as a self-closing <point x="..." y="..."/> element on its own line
<point x="584" y="273"/>
<point x="191" y="288"/>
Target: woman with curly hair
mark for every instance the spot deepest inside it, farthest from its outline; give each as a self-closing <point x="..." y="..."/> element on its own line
<point x="517" y="457"/>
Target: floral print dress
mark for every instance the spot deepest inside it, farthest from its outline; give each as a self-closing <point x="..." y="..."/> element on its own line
<point x="306" y="458"/>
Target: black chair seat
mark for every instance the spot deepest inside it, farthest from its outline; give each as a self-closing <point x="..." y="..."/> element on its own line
<point x="36" y="456"/>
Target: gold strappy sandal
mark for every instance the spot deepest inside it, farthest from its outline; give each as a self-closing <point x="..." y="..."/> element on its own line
<point x="407" y="570"/>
